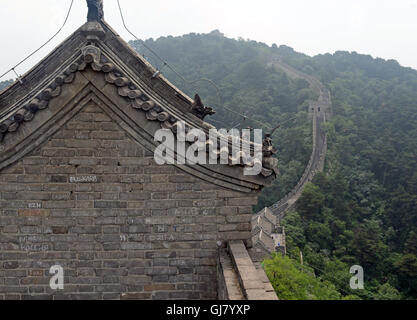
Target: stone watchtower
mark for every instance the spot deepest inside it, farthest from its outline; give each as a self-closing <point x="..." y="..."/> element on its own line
<point x="79" y="186"/>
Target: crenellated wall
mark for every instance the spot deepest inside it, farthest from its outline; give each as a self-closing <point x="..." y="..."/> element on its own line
<point x="319" y="112"/>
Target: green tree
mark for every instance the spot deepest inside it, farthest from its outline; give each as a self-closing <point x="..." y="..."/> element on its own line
<point x="295" y="282"/>
<point x="387" y="292"/>
<point x="311" y="201"/>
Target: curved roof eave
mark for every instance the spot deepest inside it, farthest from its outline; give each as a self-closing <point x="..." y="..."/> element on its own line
<point x="43" y="82"/>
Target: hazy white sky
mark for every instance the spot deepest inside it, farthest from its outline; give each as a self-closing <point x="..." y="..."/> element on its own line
<point x="382" y="28"/>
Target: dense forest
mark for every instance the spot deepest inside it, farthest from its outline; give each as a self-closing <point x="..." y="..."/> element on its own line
<point x="259" y="95"/>
<point x="363" y="209"/>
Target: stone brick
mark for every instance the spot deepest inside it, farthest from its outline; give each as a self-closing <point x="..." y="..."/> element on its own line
<point x="136" y="280"/>
<point x="159" y="178"/>
<point x="135" y="296"/>
<point x="161" y="271"/>
<point x="242" y="201"/>
<point x="86" y="229"/>
<point x="159" y="287"/>
<point x="12" y="289"/>
<point x="110" y="204"/>
<point x="10" y="265"/>
<point x="10" y="229"/>
<point x="159" y="195"/>
<point x="107" y="135"/>
<point x="34" y="213"/>
<point x="186" y="195"/>
<point x="181" y="178"/>
<point x="135" y="195"/>
<point x="59" y="204"/>
<point x="167" y="187"/>
<point x="60" y="230"/>
<point x="109" y="288"/>
<point x="59" y="179"/>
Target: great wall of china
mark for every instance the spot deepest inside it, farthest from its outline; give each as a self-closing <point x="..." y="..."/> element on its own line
<point x="267" y="233"/>
<point x="320" y="111"/>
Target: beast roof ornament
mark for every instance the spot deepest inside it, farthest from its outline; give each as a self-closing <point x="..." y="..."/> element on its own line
<point x="95" y="10"/>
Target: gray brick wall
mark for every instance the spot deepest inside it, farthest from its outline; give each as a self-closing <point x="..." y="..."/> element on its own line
<point x="122" y="227"/>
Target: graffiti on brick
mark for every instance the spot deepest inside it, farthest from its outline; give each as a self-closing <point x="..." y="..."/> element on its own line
<point x="34" y="205"/>
<point x="35" y="273"/>
<point x="33" y="244"/>
<point x="83" y="179"/>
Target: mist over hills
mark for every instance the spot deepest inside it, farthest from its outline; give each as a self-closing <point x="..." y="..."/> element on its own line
<point x="363" y="208"/>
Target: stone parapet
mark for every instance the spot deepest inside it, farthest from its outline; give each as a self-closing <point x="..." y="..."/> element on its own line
<point x="254" y="286"/>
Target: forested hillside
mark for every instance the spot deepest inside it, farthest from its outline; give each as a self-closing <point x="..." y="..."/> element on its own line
<point x="247" y="86"/>
<point x="363" y="210"/>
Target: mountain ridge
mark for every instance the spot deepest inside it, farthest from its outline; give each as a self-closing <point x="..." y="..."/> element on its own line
<point x="363" y="209"/>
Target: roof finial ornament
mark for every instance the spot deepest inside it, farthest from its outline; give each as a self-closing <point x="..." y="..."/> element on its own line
<point x="199" y="109"/>
<point x="95" y="10"/>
